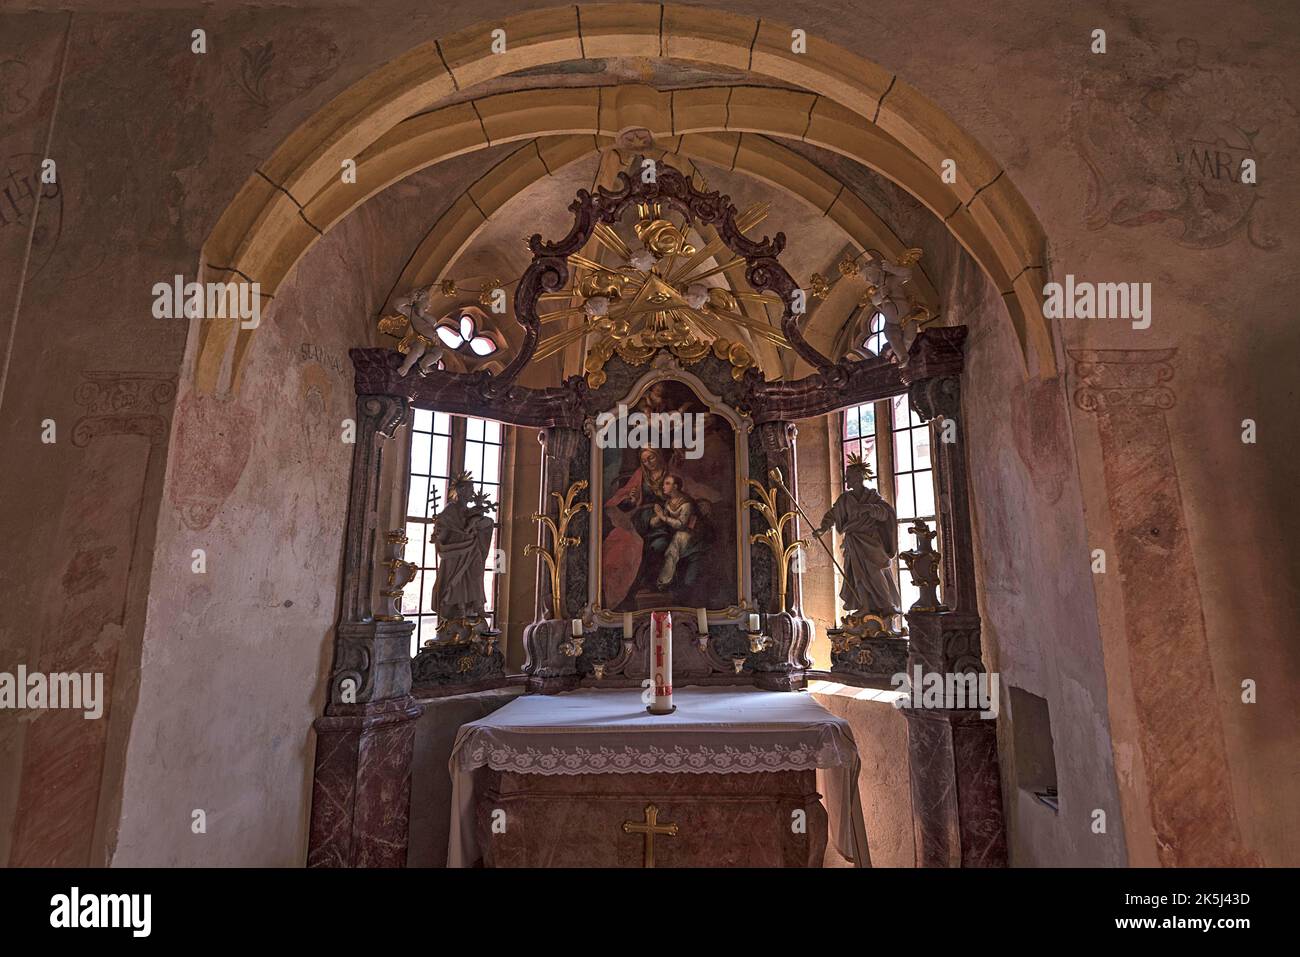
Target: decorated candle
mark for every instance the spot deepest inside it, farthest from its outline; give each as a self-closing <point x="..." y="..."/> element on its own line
<point x="702" y="621"/>
<point x="577" y="628"/>
<point x="753" y="623"/>
<point x="627" y="624"/>
<point x="661" y="661"/>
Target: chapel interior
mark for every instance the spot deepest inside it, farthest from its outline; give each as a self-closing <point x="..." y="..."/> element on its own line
<point x="369" y="587"/>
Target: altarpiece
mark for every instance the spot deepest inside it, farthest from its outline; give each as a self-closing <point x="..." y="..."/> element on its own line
<point x="631" y="530"/>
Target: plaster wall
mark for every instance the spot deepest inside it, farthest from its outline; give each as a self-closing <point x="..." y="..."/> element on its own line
<point x="236" y="660"/>
<point x="153" y="141"/>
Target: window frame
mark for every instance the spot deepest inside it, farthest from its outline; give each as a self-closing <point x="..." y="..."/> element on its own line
<point x="885" y="465"/>
<point x="463" y="446"/>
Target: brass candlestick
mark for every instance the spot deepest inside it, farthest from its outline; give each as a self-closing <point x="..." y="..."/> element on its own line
<point x="400" y="574"/>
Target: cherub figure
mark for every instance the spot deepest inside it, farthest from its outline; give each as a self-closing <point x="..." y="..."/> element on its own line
<point x="415" y="328"/>
<point x="890" y="291"/>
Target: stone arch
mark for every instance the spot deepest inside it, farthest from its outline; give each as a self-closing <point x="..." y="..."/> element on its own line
<point x="856" y="108"/>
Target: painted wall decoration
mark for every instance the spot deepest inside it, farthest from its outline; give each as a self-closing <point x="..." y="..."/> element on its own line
<point x="1164" y="144"/>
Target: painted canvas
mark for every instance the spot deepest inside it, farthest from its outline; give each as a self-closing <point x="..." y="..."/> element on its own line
<point x="669" y="516"/>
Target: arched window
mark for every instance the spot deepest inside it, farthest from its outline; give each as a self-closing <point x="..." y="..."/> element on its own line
<point x="894" y="441"/>
<point x="441" y="446"/>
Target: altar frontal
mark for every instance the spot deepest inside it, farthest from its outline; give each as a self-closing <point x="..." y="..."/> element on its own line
<point x="588" y="778"/>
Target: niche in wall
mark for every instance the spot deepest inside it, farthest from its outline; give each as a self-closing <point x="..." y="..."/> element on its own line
<point x="1031" y="733"/>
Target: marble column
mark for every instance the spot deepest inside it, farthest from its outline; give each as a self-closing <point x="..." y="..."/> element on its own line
<point x="361" y="788"/>
<point x="1179" y="728"/>
<point x="938" y="402"/>
<point x="956" y="784"/>
<point x="957" y="810"/>
<point x="547" y="668"/>
<point x="782" y="666"/>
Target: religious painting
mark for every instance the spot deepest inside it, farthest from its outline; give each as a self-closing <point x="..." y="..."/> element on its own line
<point x="666" y="466"/>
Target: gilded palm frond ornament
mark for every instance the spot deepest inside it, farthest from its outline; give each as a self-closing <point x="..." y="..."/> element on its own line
<point x="774" y="535"/>
<point x="561" y="541"/>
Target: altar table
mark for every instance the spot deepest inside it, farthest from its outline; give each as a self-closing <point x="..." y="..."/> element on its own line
<point x="730" y="765"/>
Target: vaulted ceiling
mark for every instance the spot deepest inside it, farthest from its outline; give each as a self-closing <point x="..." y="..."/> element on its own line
<point x="829" y="208"/>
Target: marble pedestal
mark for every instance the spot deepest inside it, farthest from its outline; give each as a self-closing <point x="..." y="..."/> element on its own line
<point x="361" y="789"/>
<point x="723" y="820"/>
<point x="953" y="753"/>
<point x="956" y="790"/>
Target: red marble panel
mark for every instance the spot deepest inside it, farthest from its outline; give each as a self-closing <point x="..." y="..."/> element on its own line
<point x="723" y="820"/>
<point x="362" y="787"/>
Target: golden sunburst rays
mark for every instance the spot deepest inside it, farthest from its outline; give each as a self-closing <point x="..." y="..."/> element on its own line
<point x="612" y="241"/>
<point x="747" y="220"/>
<point x="753" y="325"/>
<point x="555" y="343"/>
<point x="635" y="310"/>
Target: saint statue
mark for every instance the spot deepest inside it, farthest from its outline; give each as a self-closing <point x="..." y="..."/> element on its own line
<point x="462" y="533"/>
<point x="869" y="529"/>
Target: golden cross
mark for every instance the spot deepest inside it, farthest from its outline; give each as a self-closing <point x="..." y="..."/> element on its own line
<point x="650" y="828"/>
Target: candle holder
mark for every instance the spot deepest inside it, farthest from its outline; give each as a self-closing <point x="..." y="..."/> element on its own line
<point x="573" y="647"/>
<point x="758" y="641"/>
<point x="400" y="574"/>
<point x="738" y="662"/>
<point x="485" y="642"/>
<point x="598" y="669"/>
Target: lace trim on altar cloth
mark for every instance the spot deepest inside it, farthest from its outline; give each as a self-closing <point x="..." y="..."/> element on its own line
<point x="628" y="760"/>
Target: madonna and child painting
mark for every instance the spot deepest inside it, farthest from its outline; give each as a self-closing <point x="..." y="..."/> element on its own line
<point x="668" y="514"/>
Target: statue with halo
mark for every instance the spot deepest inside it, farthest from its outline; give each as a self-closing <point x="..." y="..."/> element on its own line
<point x="868" y="529"/>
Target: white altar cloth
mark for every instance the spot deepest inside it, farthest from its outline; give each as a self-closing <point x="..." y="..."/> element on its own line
<point x="714" y="730"/>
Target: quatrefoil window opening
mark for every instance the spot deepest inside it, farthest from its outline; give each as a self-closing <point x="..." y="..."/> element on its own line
<point x="876" y="335"/>
<point x="465" y="334"/>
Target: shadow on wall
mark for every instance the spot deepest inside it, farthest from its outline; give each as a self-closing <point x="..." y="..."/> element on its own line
<point x="435" y="734"/>
<point x="884" y="783"/>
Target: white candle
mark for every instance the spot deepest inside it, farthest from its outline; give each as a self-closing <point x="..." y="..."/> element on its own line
<point x="702" y="621"/>
<point x="577" y="628"/>
<point x="627" y="624"/>
<point x="753" y="623"/>
<point x="661" y="661"/>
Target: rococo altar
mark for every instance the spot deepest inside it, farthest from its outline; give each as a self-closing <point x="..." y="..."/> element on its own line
<point x="645" y="739"/>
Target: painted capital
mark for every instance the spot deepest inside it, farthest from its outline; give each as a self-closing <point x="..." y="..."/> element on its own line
<point x="1135" y="378"/>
